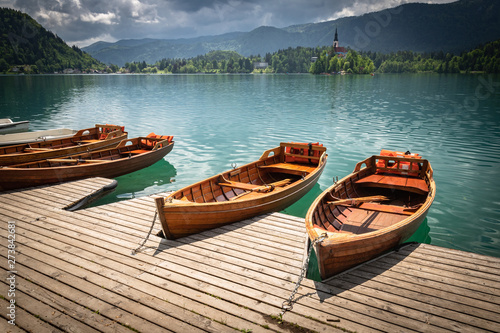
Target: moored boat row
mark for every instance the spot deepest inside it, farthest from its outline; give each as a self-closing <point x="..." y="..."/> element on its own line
<point x="372" y="210"/>
<point x="128" y="156"/>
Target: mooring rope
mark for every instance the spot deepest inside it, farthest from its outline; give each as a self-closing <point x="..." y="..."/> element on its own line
<point x="288" y="304"/>
<point x="147" y="237"/>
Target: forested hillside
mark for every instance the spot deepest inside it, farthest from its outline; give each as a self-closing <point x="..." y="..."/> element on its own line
<point x="25" y="46"/>
<point x="482" y="59"/>
<point x="300" y="60"/>
<point x="420" y="27"/>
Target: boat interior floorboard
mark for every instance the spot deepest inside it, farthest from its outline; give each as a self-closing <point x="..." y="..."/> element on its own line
<point x="360" y="221"/>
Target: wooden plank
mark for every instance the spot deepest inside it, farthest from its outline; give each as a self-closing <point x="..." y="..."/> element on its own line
<point x="452" y="280"/>
<point x="222" y="274"/>
<point x="50" y="315"/>
<point x="25" y="322"/>
<point x="450" y="269"/>
<point x="456" y="265"/>
<point x="463" y="259"/>
<point x="385" y="208"/>
<point x="80" y="236"/>
<point x="413" y="305"/>
<point x="83" y="314"/>
<point x="205" y="278"/>
<point x="104" y="293"/>
<point x="423" y="290"/>
<point x="397" y="182"/>
<point x="230" y="278"/>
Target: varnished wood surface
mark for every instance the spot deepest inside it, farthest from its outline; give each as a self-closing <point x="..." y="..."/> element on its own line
<point x="75" y="273"/>
<point x="262" y="186"/>
<point x="358" y="228"/>
<point x="110" y="163"/>
<point x="83" y="141"/>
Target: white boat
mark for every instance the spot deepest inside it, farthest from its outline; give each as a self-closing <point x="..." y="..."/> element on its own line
<point x="36" y="136"/>
<point x="9" y="126"/>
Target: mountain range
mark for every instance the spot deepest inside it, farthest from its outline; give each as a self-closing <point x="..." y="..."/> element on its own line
<point x="454" y="27"/>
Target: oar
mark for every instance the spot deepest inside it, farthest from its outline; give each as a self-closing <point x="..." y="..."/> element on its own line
<point x="70" y="160"/>
<point x="271" y="186"/>
<point x="263" y="188"/>
<point x="355" y="201"/>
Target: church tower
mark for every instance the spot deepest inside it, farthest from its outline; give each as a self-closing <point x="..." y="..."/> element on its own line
<point x="336" y="40"/>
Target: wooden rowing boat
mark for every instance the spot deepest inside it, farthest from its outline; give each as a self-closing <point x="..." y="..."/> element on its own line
<point x="35" y="136"/>
<point x="128" y="156"/>
<point x="94" y="138"/>
<point x="280" y="177"/>
<point x="9" y="126"/>
<point x="370" y="211"/>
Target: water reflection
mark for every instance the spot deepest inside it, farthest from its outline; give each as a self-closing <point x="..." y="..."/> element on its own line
<point x="147" y="181"/>
<point x="222" y="119"/>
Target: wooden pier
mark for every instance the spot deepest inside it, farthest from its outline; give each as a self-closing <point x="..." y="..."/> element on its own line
<point x="75" y="271"/>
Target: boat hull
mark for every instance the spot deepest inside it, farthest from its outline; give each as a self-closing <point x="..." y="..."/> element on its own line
<point x="180" y="219"/>
<point x="381" y="227"/>
<point x="337" y="255"/>
<point x="83" y="141"/>
<point x="15" y="178"/>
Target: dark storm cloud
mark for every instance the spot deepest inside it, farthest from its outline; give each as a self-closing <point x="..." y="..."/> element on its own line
<point x="83" y="22"/>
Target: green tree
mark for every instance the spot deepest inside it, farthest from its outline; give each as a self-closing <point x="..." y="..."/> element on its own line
<point x="4" y="66"/>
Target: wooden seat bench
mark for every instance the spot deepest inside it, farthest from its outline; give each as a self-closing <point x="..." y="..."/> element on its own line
<point x="386" y="208"/>
<point x="137" y="151"/>
<point x="254" y="187"/>
<point x="410" y="184"/>
<point x="289" y="168"/>
<point x="89" y="141"/>
<point x="241" y="186"/>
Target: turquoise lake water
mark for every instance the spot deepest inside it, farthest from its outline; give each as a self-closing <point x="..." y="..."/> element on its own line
<point x="217" y="120"/>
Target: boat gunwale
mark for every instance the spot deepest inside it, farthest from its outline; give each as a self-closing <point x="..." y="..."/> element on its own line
<point x="264" y="157"/>
<point x="338" y="237"/>
<point x="74" y="156"/>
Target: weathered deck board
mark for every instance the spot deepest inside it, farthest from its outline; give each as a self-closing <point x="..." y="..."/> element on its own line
<point x="76" y="270"/>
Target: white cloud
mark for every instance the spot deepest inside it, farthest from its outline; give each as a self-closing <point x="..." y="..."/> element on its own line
<point x="54" y="18"/>
<point x="104" y="18"/>
<point x="86" y="20"/>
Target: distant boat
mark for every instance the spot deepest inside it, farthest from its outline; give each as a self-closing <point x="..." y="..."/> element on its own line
<point x="29" y="137"/>
<point x="128" y="156"/>
<point x="280" y="177"/>
<point x="9" y="126"/>
<point x="88" y="139"/>
<point x="370" y="211"/>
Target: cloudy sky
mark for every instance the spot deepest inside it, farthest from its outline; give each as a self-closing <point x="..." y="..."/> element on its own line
<point x="83" y="22"/>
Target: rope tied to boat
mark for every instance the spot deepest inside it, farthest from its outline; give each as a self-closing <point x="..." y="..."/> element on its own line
<point x="287" y="305"/>
<point x="135" y="251"/>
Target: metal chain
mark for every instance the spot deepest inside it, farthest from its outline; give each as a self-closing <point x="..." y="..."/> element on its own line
<point x="288" y="304"/>
<point x="147" y="237"/>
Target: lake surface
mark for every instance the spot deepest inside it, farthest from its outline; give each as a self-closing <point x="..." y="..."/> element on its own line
<point x="217" y="120"/>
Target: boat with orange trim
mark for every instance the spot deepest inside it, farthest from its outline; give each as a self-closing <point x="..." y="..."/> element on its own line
<point x="281" y="176"/>
<point x="88" y="139"/>
<point x="371" y="211"/>
<point x="128" y="156"/>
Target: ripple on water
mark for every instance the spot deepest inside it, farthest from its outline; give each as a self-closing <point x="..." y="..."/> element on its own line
<point x="218" y="120"/>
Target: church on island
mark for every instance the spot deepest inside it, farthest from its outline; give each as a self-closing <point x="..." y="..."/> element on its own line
<point x="339" y="50"/>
